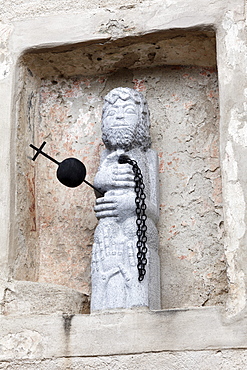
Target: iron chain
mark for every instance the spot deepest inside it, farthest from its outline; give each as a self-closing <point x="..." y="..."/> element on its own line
<point x="141" y="216"/>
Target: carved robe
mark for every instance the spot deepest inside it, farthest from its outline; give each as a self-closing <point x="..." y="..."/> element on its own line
<point x="114" y="257"/>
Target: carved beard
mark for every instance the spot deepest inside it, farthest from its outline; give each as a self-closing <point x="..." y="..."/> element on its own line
<point x="118" y="138"/>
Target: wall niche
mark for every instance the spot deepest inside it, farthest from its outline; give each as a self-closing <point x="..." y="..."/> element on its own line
<point x="60" y="96"/>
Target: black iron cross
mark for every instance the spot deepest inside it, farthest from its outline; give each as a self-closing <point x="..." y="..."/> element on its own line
<point x="71" y="172"/>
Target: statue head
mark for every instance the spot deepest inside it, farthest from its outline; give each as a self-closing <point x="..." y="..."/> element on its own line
<point x="125" y="120"/>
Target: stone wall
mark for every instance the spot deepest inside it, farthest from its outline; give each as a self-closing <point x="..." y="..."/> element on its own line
<point x="66" y="112"/>
<point x="57" y="63"/>
<point x="61" y="102"/>
<point x="202" y="360"/>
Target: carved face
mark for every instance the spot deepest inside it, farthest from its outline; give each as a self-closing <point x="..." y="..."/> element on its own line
<point x="119" y="124"/>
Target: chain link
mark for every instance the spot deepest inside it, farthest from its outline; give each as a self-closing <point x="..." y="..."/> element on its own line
<point x="140" y="216"/>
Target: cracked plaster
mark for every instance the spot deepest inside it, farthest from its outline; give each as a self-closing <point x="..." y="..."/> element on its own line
<point x="228" y="18"/>
<point x="204" y="360"/>
<point x="5" y="57"/>
<point x="234" y="134"/>
<point x="184" y="118"/>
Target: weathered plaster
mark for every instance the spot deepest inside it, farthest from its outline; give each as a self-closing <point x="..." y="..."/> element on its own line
<point x="233" y="41"/>
<point x="6" y="75"/>
<point x="212" y="174"/>
<point x="232" y="46"/>
<point x="238" y="125"/>
<point x="207" y="10"/>
<point x="182" y="342"/>
<point x="203" y="360"/>
<point x="235" y="219"/>
<point x="5" y="57"/>
<point x="28" y="298"/>
<point x="135" y="333"/>
<point x="184" y="117"/>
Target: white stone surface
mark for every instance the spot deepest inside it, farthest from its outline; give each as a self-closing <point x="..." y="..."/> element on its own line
<point x="135" y="332"/>
<point x="28" y="298"/>
<point x="176" y="339"/>
<point x="23" y="40"/>
<point x="232" y="64"/>
<point x="115" y="277"/>
<point x="203" y="360"/>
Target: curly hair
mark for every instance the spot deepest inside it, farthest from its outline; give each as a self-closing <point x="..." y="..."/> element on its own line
<point x="142" y="135"/>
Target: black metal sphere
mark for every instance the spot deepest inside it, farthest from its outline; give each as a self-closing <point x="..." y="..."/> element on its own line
<point x="71" y="172"/>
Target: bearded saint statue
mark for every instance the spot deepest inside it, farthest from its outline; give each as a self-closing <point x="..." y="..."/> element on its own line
<point x="125" y="130"/>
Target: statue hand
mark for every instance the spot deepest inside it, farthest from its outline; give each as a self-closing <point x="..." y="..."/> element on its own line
<point x="123" y="176"/>
<point x="129" y="266"/>
<point x="110" y="258"/>
<point x="118" y="204"/>
<point x="112" y="175"/>
<point x="107" y="258"/>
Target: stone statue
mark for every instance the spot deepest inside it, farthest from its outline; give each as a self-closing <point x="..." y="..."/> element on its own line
<point x="115" y="284"/>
